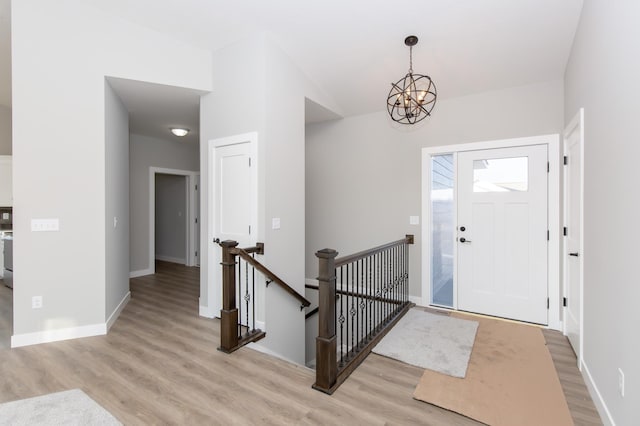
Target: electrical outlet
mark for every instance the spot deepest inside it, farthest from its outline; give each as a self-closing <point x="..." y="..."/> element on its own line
<point x="621" y="382"/>
<point x="36" y="302"/>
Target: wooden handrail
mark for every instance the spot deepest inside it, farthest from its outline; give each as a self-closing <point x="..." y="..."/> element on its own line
<point x="387" y="293"/>
<point x="354" y="294"/>
<point x="273" y="277"/>
<point x="408" y="239"/>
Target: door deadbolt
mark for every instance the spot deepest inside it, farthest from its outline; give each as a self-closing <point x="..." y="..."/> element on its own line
<point x="462" y="228"/>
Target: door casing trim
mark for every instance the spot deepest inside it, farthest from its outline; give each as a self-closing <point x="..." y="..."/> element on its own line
<point x="555" y="312"/>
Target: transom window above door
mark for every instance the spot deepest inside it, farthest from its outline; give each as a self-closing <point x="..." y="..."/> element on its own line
<point x="501" y="175"/>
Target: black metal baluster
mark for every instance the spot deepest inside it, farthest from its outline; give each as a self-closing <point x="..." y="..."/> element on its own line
<point x="352" y="311"/>
<point x="379" y="292"/>
<point x="239" y="301"/>
<point x="341" y="317"/>
<point x="253" y="295"/>
<point x="369" y="300"/>
<point x="360" y="305"/>
<point x="247" y="297"/>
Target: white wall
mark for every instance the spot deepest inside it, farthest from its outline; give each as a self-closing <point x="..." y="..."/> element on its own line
<point x="602" y="76"/>
<point x="146" y="152"/>
<point x="117" y="200"/>
<point x="171" y="216"/>
<point x="273" y="106"/>
<point x="363" y="173"/>
<point x="5" y="130"/>
<point x="59" y="64"/>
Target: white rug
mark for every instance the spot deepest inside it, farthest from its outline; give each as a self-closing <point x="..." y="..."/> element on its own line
<point x="437" y="342"/>
<point x="72" y="407"/>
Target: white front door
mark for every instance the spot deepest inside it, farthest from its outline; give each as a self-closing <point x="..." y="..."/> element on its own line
<point x="573" y="214"/>
<point x="502" y="232"/>
<point x="234" y="203"/>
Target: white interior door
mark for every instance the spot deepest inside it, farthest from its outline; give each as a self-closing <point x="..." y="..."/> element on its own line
<point x="573" y="246"/>
<point x="502" y="232"/>
<point x="234" y="203"/>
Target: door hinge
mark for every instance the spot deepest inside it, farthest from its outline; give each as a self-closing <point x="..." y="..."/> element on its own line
<point x="249" y="161"/>
<point x="196" y="253"/>
<point x="564" y="301"/>
<point x="565" y="160"/>
<point x="564" y="231"/>
<point x="547" y="235"/>
<point x="547" y="303"/>
<point x="548" y="167"/>
<point x="196" y="187"/>
<point x="196" y="220"/>
<point x="249" y="229"/>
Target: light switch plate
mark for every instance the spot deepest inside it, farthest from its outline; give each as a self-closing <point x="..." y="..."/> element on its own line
<point x="414" y="220"/>
<point x="45" y="225"/>
<point x="275" y="223"/>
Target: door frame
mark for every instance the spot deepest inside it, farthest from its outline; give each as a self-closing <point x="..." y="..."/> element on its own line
<point x="578" y="120"/>
<point x="213" y="282"/>
<point x="190" y="216"/>
<point x="555" y="314"/>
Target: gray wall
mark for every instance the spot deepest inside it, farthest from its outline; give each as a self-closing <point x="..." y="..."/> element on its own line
<point x="59" y="64"/>
<point x="363" y="173"/>
<point x="602" y="76"/>
<point x="117" y="200"/>
<point x="146" y="152"/>
<point x="274" y="108"/>
<point x="171" y="216"/>
<point x="5" y="130"/>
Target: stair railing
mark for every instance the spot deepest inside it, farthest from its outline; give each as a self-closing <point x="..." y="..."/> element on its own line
<point x="238" y="322"/>
<point x="373" y="286"/>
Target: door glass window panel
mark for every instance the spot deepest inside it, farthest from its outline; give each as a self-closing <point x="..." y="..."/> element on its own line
<point x="501" y="175"/>
<point x="442" y="229"/>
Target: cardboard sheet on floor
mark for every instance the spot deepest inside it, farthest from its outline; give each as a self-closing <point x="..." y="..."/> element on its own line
<point x="511" y="379"/>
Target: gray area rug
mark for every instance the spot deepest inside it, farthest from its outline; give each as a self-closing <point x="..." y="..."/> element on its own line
<point x="72" y="407"/>
<point x="437" y="342"/>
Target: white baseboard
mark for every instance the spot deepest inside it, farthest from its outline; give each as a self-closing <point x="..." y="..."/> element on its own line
<point x="140" y="273"/>
<point x="261" y="325"/>
<point x="601" y="406"/>
<point x="116" y="312"/>
<point x="27" y="339"/>
<point x="181" y="261"/>
<point x="257" y="346"/>
<point x="207" y="312"/>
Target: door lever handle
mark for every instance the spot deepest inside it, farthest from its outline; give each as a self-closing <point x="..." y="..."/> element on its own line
<point x="464" y="240"/>
<point x="216" y="240"/>
<point x="574" y="254"/>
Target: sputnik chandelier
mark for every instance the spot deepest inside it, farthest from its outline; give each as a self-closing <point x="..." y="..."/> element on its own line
<point x="413" y="97"/>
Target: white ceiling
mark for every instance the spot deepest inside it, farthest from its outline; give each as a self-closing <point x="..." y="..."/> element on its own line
<point x="353" y="49"/>
<point x="154" y="109"/>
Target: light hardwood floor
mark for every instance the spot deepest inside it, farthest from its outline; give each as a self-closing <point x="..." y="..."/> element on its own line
<point x="6" y="315"/>
<point x="159" y="365"/>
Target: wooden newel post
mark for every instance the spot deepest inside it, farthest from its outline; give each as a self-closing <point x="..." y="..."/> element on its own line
<point x="326" y="362"/>
<point x="229" y="312"/>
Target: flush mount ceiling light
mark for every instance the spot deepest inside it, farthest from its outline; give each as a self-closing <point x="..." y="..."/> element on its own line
<point x="179" y="132"/>
<point x="413" y="97"/>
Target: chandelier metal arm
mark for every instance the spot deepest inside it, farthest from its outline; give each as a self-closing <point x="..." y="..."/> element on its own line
<point x="413" y="97"/>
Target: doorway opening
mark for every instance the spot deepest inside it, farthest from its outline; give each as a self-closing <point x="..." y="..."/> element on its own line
<point x="491" y="238"/>
<point x="173" y="216"/>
